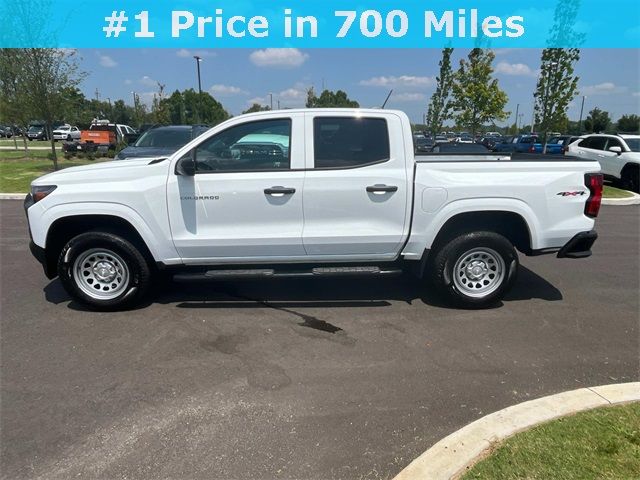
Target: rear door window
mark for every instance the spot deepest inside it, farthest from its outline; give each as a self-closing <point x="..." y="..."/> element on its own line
<point x="597" y="143"/>
<point x="350" y="142"/>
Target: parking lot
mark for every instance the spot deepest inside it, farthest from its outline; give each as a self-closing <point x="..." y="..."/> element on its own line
<point x="313" y="379"/>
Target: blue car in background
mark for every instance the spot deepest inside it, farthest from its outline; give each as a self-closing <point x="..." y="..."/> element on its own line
<point x="526" y="144"/>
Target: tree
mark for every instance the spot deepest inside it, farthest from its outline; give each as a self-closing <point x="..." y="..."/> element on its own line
<point x="159" y="109"/>
<point x="189" y="107"/>
<point x="477" y="97"/>
<point x="439" y="110"/>
<point x="329" y="99"/>
<point x="11" y="93"/>
<point x="557" y="86"/>
<point x="256" y="107"/>
<point x="597" y="121"/>
<point x="122" y="113"/>
<point x="45" y="75"/>
<point x="629" y="124"/>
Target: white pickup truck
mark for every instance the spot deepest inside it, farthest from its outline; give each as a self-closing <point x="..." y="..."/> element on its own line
<point x="309" y="192"/>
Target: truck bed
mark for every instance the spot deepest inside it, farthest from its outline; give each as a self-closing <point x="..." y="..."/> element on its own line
<point x="493" y="157"/>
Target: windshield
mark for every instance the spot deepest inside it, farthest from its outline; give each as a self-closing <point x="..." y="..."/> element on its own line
<point x="35" y="129"/>
<point x="63" y="128"/>
<point x="164" y="138"/>
<point x="633" y="143"/>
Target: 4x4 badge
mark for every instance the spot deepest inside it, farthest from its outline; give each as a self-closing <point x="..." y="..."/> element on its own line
<point x="571" y="194"/>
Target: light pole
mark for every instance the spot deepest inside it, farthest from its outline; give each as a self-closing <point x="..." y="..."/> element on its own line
<point x="545" y="120"/>
<point x="581" y="112"/>
<point x="135" y="106"/>
<point x="198" y="60"/>
<point x="271" y="100"/>
<point x="520" y="122"/>
<point x="516" y="118"/>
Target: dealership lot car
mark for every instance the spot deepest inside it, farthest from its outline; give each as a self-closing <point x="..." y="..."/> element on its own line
<point x="66" y="132"/>
<point x="257" y="197"/>
<point x="618" y="155"/>
<point x="37" y="132"/>
<point x="161" y="141"/>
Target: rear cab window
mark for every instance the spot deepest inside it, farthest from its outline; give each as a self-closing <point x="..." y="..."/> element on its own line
<point x="349" y="142"/>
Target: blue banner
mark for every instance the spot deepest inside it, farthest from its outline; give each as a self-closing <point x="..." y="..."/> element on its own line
<point x="319" y="24"/>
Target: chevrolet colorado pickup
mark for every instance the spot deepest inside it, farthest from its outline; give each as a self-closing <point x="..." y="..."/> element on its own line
<point x="309" y="193"/>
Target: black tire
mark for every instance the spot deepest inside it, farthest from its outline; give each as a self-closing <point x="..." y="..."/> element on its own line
<point x="132" y="290"/>
<point x="446" y="256"/>
<point x="68" y="138"/>
<point x="631" y="178"/>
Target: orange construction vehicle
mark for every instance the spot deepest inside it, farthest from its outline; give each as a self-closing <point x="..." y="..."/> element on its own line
<point x="101" y="136"/>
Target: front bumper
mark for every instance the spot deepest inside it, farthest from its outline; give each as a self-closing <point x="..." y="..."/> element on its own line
<point x="579" y="246"/>
<point x="38" y="252"/>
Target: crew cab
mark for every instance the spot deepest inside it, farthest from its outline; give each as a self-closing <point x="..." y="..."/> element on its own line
<point x="315" y="192"/>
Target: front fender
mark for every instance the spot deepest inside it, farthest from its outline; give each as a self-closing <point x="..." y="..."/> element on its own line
<point x="41" y="219"/>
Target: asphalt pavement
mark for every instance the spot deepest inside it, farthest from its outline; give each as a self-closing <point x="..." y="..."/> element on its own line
<point x="308" y="379"/>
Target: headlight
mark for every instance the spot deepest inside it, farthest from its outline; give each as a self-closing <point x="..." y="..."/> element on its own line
<point x="38" y="192"/>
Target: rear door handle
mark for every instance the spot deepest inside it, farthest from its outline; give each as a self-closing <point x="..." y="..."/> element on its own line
<point x="379" y="189"/>
<point x="279" y="191"/>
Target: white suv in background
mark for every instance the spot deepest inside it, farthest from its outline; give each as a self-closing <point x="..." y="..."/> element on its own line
<point x="66" y="132"/>
<point x="618" y="155"/>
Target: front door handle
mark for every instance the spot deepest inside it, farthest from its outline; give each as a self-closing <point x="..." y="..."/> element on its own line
<point x="380" y="189"/>
<point x="279" y="191"/>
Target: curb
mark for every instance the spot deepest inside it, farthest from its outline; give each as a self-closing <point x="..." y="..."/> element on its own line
<point x="453" y="455"/>
<point x="12" y="196"/>
<point x="635" y="200"/>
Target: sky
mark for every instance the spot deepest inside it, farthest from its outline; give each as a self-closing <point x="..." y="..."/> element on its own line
<point x="609" y="79"/>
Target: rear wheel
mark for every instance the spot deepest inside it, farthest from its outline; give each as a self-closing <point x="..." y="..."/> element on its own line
<point x="103" y="271"/>
<point x="474" y="270"/>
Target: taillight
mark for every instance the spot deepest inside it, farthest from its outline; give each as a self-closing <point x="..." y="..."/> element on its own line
<point x="593" y="181"/>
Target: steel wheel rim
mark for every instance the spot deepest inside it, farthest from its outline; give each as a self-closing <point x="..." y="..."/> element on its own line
<point x="479" y="272"/>
<point x="101" y="273"/>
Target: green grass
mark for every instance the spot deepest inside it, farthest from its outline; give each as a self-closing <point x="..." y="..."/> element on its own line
<point x="17" y="175"/>
<point x="35" y="143"/>
<point x="601" y="444"/>
<point x="612" y="192"/>
<point x="20" y="155"/>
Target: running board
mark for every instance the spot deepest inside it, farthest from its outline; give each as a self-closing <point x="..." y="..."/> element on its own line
<point x="270" y="272"/>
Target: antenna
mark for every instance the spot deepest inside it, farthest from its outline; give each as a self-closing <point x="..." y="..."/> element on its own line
<point x="387" y="99"/>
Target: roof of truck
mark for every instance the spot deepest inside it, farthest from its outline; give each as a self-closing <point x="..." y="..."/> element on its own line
<point x="333" y="110"/>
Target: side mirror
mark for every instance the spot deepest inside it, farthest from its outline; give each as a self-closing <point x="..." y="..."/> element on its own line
<point x="186" y="166"/>
<point x="617" y="150"/>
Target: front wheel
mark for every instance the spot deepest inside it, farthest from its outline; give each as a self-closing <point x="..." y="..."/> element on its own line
<point x="103" y="271"/>
<point x="475" y="270"/>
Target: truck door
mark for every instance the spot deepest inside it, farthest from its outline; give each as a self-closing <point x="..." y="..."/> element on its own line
<point x="245" y="200"/>
<point x="356" y="190"/>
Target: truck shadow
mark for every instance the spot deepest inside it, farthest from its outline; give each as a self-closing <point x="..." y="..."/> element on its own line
<point x="312" y="293"/>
